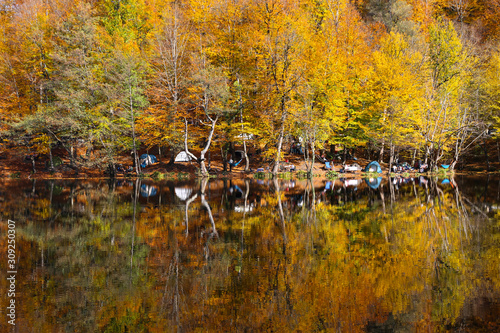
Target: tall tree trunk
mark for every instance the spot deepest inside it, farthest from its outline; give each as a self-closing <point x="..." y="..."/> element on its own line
<point x="247" y="161"/>
<point x="33" y="163"/>
<point x="223" y="154"/>
<point x="51" y="160"/>
<point x="427" y="154"/>
<point x="486" y="155"/>
<point x="414" y="157"/>
<point x="134" y="145"/>
<point x="72" y="156"/>
<point x="172" y="157"/>
<point x="381" y="154"/>
<point x="310" y="171"/>
<point x="498" y="151"/>
<point x="391" y="157"/>
<point x="278" y="153"/>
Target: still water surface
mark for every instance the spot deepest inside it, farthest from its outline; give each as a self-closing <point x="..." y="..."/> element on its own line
<point x="246" y="256"/>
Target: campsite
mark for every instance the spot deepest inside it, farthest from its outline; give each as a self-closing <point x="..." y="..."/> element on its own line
<point x="250" y="166"/>
<point x="17" y="165"/>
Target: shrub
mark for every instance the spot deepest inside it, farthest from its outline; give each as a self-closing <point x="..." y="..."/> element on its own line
<point x="301" y="174"/>
<point x="157" y="175"/>
<point x="15" y="175"/>
<point x="331" y="174"/>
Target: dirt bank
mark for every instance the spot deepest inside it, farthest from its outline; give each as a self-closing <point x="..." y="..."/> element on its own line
<point x="15" y="164"/>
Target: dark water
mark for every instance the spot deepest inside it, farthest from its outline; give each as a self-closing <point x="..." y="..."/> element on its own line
<point x="245" y="256"/>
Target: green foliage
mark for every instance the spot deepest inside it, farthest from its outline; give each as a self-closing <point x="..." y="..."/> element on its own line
<point x="445" y="53"/>
<point x="330" y="174"/>
<point x="157" y="175"/>
<point x="263" y="175"/>
<point x="15" y="175"/>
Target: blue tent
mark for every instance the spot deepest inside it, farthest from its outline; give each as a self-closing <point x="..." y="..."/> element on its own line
<point x="374" y="183"/>
<point x="146" y="160"/>
<point x="373" y="167"/>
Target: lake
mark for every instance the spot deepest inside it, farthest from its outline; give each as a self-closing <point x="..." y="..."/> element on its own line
<point x="366" y="255"/>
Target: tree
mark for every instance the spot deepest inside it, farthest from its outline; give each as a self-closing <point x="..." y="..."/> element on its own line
<point x="448" y="78"/>
<point x="396" y="92"/>
<point x="208" y="95"/>
<point x="277" y="47"/>
<point x="163" y="123"/>
<point x="124" y="67"/>
<point x="124" y="89"/>
<point x="349" y="71"/>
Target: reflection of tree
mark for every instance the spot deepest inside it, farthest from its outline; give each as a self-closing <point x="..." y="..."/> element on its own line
<point x="82" y="276"/>
<point x="349" y="266"/>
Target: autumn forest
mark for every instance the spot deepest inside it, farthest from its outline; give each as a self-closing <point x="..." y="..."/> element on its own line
<point x="417" y="78"/>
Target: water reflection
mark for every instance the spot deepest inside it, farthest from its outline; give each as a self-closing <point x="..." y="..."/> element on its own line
<point x="245" y="255"/>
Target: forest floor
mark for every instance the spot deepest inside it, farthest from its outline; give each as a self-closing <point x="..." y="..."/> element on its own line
<point x="16" y="164"/>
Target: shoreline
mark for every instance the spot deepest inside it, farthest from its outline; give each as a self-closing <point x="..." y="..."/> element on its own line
<point x="159" y="176"/>
<point x="14" y="166"/>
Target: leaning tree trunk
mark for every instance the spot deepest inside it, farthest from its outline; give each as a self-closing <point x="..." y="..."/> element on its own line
<point x="204" y="171"/>
<point x="453" y="164"/>
<point x="201" y="160"/>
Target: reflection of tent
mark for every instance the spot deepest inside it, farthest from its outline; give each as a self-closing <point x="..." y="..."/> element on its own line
<point x="146" y="160"/>
<point x="328" y="186"/>
<point x="374" y="183"/>
<point x="148" y="190"/>
<point x="183" y="157"/>
<point x="242" y="209"/>
<point x="183" y="193"/>
<point x="238" y="193"/>
<point x="352" y="182"/>
<point x="445" y="181"/>
<point x="373" y="167"/>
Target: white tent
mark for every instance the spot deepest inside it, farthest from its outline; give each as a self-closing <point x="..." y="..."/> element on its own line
<point x="183" y="193"/>
<point x="245" y="136"/>
<point x="183" y="157"/>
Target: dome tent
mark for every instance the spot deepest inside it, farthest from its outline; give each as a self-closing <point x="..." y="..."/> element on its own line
<point x="183" y="157"/>
<point x="373" y="167"/>
<point x="147" y="159"/>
